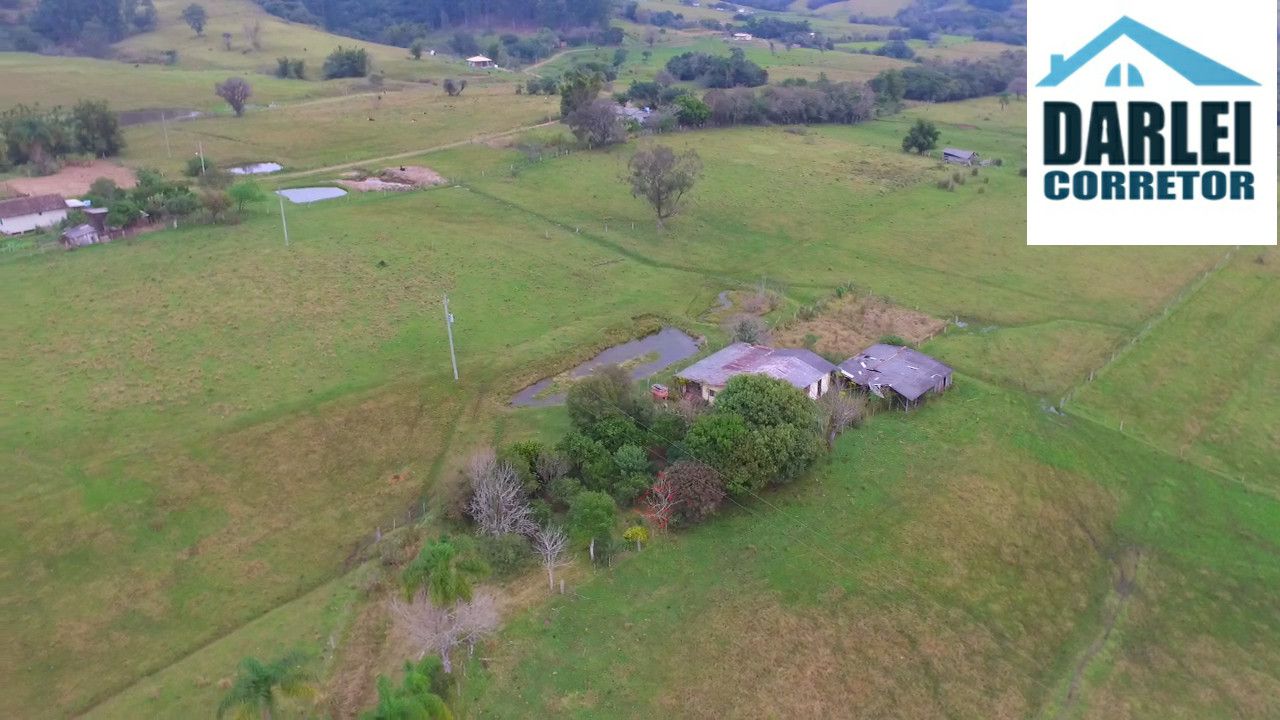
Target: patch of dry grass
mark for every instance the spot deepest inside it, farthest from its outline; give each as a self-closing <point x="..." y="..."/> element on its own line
<point x="850" y="324"/>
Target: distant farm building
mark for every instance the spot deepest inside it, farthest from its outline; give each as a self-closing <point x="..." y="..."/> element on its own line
<point x="640" y="116"/>
<point x="742" y="37"/>
<point x="480" y="61"/>
<point x="956" y="156"/>
<point x="20" y="215"/>
<point x="895" y="372"/>
<point x="802" y="369"/>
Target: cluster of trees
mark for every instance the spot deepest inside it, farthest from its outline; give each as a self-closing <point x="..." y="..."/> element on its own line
<point x="993" y="20"/>
<point x="937" y="81"/>
<point x="89" y="27"/>
<point x="775" y="28"/>
<point x="287" y="67"/>
<point x="345" y="63"/>
<point x="370" y="19"/>
<point x="895" y="49"/>
<point x="718" y="71"/>
<point x="31" y="135"/>
<point x="214" y="198"/>
<point x="793" y="102"/>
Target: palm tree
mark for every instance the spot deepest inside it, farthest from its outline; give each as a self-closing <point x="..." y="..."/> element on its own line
<point x="444" y="572"/>
<point x="258" y="684"/>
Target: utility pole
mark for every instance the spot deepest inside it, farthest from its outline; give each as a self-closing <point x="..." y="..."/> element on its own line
<point x="164" y="124"/>
<point x="200" y="147"/>
<point x="448" y="326"/>
<point x="283" y="222"/>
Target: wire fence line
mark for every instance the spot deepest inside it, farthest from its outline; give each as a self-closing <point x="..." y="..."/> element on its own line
<point x="1165" y="312"/>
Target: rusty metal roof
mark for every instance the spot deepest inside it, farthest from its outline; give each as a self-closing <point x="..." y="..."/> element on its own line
<point x="798" y="367"/>
<point x="17" y="207"/>
<point x="908" y="372"/>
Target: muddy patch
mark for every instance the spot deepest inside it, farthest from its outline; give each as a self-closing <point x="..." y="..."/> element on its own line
<point x="396" y="179"/>
<point x="73" y="180"/>
<point x="646" y="356"/>
<point x="850" y="324"/>
<point x="262" y="168"/>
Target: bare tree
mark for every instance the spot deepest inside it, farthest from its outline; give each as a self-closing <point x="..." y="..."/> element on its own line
<point x="550" y="466"/>
<point x="660" y="503"/>
<point x="253" y="31"/>
<point x="662" y="177"/>
<point x="476" y="621"/>
<point x="550" y="543"/>
<point x="497" y="504"/>
<point x="236" y="92"/>
<point x="431" y="628"/>
<point x="843" y="411"/>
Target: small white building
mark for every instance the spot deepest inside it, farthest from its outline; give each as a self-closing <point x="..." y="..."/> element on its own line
<point x="803" y="369"/>
<point x="480" y="61"/>
<point x="742" y="37"/>
<point x="24" y="214"/>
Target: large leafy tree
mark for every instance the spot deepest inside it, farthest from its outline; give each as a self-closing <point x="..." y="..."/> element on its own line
<point x="663" y="178"/>
<point x="921" y="138"/>
<point x="64" y="21"/>
<point x="444" y="571"/>
<point x="607" y="393"/>
<point x="592" y="517"/>
<point x="259" y="686"/>
<point x="97" y="129"/>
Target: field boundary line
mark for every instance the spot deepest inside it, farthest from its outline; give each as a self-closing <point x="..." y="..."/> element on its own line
<point x="1191" y="289"/>
<point x="413" y="153"/>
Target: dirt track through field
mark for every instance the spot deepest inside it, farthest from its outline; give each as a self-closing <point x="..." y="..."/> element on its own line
<point x="412" y="153"/>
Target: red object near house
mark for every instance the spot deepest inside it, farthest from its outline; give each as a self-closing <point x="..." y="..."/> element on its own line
<point x="660" y="392"/>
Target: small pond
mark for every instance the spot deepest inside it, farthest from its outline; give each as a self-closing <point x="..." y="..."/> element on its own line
<point x="668" y="344"/>
<point x="302" y="196"/>
<point x="262" y="168"/>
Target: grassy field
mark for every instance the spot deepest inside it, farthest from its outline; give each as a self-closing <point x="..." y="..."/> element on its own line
<point x="1205" y="383"/>
<point x="955" y="562"/>
<point x="340" y="130"/>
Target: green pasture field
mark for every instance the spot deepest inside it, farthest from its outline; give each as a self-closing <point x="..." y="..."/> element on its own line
<point x="962" y="560"/>
<point x="206" y="423"/>
<point x="1204" y="384"/>
<point x="341" y="130"/>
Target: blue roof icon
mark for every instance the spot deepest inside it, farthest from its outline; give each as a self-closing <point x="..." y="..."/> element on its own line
<point x="1188" y="63"/>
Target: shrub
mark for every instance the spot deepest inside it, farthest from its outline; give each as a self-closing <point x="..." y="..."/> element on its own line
<point x="346" y="62"/>
<point x="699" y="491"/>
<point x="973" y="172"/>
<point x="629" y="487"/>
<point x="563" y="490"/>
<point x="506" y="555"/>
<point x="892" y="340"/>
<point x="540" y="511"/>
<point x="197" y="167"/>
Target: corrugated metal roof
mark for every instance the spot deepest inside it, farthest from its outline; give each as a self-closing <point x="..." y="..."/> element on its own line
<point x="908" y="372"/>
<point x="801" y="368"/>
<point x="17" y="207"/>
<point x="963" y="154"/>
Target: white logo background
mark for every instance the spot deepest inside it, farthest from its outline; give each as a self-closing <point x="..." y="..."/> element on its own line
<point x="1235" y="33"/>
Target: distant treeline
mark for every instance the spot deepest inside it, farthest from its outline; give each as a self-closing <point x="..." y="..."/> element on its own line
<point x="88" y="26"/>
<point x="793" y="103"/>
<point x="370" y="19"/>
<point x="991" y="20"/>
<point x="936" y="81"/>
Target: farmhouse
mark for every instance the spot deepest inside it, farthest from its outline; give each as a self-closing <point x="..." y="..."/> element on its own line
<point x="905" y="373"/>
<point x="803" y="369"/>
<point x="955" y="156"/>
<point x="25" y="214"/>
<point x="480" y="61"/>
<point x="742" y="37"/>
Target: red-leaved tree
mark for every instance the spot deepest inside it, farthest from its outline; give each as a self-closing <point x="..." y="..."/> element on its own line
<point x="697" y="489"/>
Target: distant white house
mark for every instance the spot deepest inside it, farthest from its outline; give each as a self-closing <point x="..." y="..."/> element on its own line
<point x="20" y="215"/>
<point x="742" y="37"/>
<point x="480" y="61"/>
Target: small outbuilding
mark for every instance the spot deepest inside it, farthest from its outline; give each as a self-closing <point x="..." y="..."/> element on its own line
<point x="742" y="37"/>
<point x="81" y="236"/>
<point x="956" y="156"/>
<point x="24" y="214"/>
<point x="480" y="62"/>
<point x="803" y="369"/>
<point x="896" y="372"/>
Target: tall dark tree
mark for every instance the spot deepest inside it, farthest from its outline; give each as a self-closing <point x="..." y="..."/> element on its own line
<point x="97" y="129"/>
<point x="195" y="16"/>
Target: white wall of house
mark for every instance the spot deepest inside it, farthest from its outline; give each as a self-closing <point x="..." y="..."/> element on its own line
<point x="35" y="221"/>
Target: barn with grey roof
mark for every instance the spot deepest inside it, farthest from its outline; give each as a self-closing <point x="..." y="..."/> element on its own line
<point x="896" y="372"/>
<point x="802" y="369"/>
